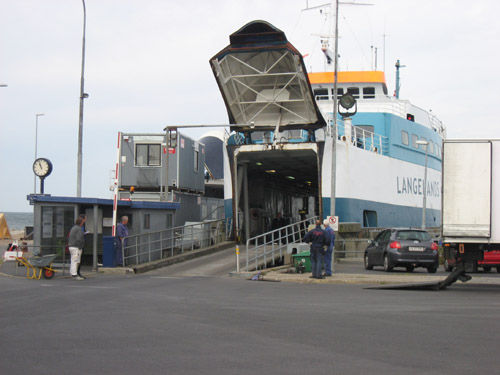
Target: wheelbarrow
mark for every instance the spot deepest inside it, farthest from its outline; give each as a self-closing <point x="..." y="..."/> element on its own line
<point x="38" y="266"/>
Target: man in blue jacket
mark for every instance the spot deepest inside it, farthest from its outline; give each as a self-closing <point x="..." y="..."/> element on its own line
<point x="319" y="239"/>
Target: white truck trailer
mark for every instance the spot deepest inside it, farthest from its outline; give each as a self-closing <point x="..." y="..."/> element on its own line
<point x="470" y="202"/>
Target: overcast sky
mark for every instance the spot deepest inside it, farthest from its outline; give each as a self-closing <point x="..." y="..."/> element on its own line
<point x="147" y="67"/>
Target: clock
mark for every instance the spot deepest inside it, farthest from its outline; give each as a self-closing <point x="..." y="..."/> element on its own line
<point x="42" y="167"/>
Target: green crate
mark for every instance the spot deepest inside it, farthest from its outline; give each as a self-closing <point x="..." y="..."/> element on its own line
<point x="302" y="261"/>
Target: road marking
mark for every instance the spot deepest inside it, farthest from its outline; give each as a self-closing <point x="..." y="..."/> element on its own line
<point x="81" y="286"/>
<point x="166" y="277"/>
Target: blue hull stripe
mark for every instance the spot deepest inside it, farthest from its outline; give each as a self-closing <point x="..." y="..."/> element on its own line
<point x="387" y="215"/>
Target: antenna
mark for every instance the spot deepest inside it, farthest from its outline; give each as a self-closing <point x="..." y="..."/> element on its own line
<point x="398" y="84"/>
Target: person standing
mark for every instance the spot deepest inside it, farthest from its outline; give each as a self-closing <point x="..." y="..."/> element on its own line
<point x="279" y="222"/>
<point x="121" y="232"/>
<point x="76" y="242"/>
<point x="318" y="239"/>
<point x="327" y="258"/>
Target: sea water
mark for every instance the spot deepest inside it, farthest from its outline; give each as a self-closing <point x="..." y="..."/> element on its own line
<point x="18" y="220"/>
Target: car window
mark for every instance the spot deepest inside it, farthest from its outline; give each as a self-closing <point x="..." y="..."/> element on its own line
<point x="380" y="236"/>
<point x="385" y="236"/>
<point x="413" y="235"/>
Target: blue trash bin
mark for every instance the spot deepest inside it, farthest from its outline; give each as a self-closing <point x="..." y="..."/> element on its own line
<point x="109" y="247"/>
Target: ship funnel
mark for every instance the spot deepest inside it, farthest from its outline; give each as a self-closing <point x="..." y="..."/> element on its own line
<point x="263" y="81"/>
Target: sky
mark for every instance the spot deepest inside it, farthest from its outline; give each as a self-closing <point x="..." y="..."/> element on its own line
<point x="147" y="66"/>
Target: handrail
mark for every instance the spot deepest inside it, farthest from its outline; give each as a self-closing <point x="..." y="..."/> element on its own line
<point x="150" y="246"/>
<point x="273" y="242"/>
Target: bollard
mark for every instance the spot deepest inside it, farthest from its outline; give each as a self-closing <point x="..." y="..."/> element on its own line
<point x="237" y="258"/>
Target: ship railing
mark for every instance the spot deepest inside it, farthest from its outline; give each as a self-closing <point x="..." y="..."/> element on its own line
<point x="152" y="246"/>
<point x="266" y="248"/>
<point x="362" y="138"/>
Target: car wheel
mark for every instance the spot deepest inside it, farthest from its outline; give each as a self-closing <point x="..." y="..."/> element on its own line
<point x="410" y="268"/>
<point x="368" y="266"/>
<point x="447" y="266"/>
<point x="432" y="269"/>
<point x="486" y="268"/>
<point x="387" y="266"/>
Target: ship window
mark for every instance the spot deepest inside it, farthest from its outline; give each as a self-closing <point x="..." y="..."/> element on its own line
<point x="147" y="221"/>
<point x="423" y="147"/>
<point x="354" y="91"/>
<point x="431" y="147"/>
<point x="370" y="218"/>
<point x="340" y="91"/>
<point x="404" y="138"/>
<point x="414" y="140"/>
<point x="368" y="92"/>
<point x="437" y="150"/>
<point x="321" y="94"/>
<point x="147" y="155"/>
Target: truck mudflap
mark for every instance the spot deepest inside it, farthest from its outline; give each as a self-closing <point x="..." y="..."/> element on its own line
<point x="457" y="274"/>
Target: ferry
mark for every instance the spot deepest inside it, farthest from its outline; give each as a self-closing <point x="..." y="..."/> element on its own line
<point x="286" y="154"/>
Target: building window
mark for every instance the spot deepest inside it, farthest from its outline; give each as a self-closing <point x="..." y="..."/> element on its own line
<point x="405" y="138"/>
<point x="147" y="155"/>
<point x="321" y="94"/>
<point x="414" y="140"/>
<point x="354" y="91"/>
<point x="196" y="160"/>
<point x="147" y="221"/>
<point x="368" y="92"/>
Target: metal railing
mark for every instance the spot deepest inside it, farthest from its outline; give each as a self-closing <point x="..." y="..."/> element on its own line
<point x="266" y="247"/>
<point x="148" y="247"/>
<point x="363" y="138"/>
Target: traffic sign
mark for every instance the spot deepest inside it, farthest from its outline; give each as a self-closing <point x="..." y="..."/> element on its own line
<point x="334" y="222"/>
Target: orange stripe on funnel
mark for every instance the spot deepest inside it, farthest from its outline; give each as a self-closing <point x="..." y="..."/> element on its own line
<point x="348" y="77"/>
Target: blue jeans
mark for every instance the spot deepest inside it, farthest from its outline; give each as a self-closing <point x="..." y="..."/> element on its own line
<point x="327" y="259"/>
<point x="119" y="255"/>
<point x="316" y="261"/>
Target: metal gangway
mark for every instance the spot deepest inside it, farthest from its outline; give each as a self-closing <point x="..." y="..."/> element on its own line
<point x="267" y="247"/>
<point x="152" y="246"/>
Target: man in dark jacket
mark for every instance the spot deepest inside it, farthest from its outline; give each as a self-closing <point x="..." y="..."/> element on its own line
<point x="318" y="239"/>
<point x="76" y="241"/>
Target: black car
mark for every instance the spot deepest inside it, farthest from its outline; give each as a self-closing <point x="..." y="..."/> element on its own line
<point x="402" y="247"/>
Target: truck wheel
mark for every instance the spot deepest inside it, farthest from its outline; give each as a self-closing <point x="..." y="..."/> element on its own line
<point x="486" y="268"/>
<point x="431" y="269"/>
<point x="498" y="269"/>
<point x="409" y="268"/>
<point x="368" y="266"/>
<point x="387" y="266"/>
<point x="447" y="266"/>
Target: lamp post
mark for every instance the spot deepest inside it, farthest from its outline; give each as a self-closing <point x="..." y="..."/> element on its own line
<point x="424" y="143"/>
<point x="83" y="96"/>
<point x="36" y="146"/>
<point x="3" y="85"/>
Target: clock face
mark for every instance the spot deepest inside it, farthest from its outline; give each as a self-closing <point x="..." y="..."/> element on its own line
<point x="42" y="167"/>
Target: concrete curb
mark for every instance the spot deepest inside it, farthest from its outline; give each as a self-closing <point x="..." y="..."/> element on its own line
<point x="366" y="279"/>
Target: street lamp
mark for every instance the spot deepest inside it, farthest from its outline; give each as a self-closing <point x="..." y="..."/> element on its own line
<point x="3" y="85"/>
<point x="424" y="143"/>
<point x="36" y="145"/>
<point x="83" y="95"/>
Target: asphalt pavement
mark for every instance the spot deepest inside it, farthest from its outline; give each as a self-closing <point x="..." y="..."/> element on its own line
<point x="153" y="323"/>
